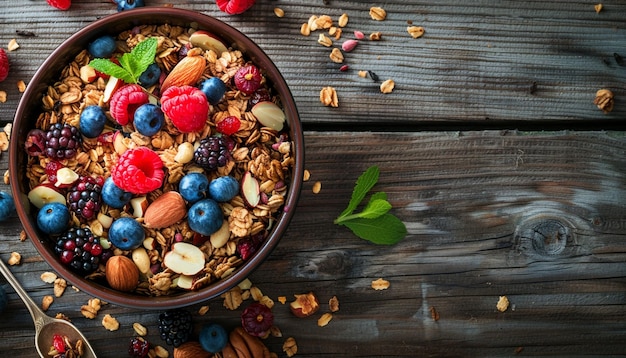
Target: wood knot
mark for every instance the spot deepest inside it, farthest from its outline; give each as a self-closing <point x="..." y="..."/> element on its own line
<point x="545" y="236"/>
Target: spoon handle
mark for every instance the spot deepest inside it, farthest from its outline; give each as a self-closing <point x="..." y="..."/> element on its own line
<point x="34" y="310"/>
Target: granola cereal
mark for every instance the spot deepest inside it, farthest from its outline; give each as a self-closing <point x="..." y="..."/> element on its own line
<point x="262" y="151"/>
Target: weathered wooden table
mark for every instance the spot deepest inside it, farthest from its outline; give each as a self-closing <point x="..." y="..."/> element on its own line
<point x="510" y="180"/>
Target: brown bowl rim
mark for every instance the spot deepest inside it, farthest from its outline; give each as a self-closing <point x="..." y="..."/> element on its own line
<point x="31" y="100"/>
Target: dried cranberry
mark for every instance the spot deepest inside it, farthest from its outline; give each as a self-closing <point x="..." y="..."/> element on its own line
<point x="257" y="319"/>
<point x="58" y="343"/>
<point x="35" y="142"/>
<point x="248" y="246"/>
<point x="229" y="125"/>
<point x="260" y="95"/>
<point x="248" y="79"/>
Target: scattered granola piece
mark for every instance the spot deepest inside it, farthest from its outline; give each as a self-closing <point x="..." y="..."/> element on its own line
<point x="604" y="100"/>
<point x="378" y="13"/>
<point x="307" y="175"/>
<point x="343" y="20"/>
<point x="15" y="259"/>
<point x="279" y="12"/>
<point x="333" y="304"/>
<point x="59" y="287"/>
<point x="282" y="299"/>
<point x="336" y="56"/>
<point x="598" y="8"/>
<point x="415" y="31"/>
<point x="380" y="284"/>
<point x="3" y="96"/>
<point x="110" y="323"/>
<point x="503" y="304"/>
<point x="256" y="293"/>
<point x="328" y="97"/>
<point x="21" y="86"/>
<point x="161" y="352"/>
<point x="6" y="177"/>
<point x="48" y="277"/>
<point x="305" y="30"/>
<point x="387" y="86"/>
<point x="140" y="329"/>
<point x="434" y="314"/>
<point x="232" y="298"/>
<point x="46" y="301"/>
<point x="23" y="236"/>
<point x="203" y="310"/>
<point x="13" y="45"/>
<point x="4" y="142"/>
<point x="275" y="331"/>
<point x="324" y="319"/>
<point x="317" y="187"/>
<point x="324" y="40"/>
<point x="363" y="74"/>
<point x="90" y="310"/>
<point x="290" y="347"/>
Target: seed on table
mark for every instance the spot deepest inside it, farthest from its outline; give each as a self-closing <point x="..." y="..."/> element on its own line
<point x="343" y="20"/>
<point x="279" y="12"/>
<point x="359" y="35"/>
<point x="375" y="36"/>
<point x="349" y="45"/>
<point x="317" y="187"/>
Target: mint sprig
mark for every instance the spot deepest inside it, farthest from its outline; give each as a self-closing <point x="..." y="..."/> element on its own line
<point x="132" y="64"/>
<point x="374" y="223"/>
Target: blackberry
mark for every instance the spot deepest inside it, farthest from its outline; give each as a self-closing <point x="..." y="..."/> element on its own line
<point x="84" y="198"/>
<point x="139" y="347"/>
<point x="62" y="141"/>
<point x="175" y="327"/>
<point x="212" y="153"/>
<point x="79" y="249"/>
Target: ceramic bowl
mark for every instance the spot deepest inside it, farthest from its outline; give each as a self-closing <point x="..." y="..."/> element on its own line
<point x="31" y="105"/>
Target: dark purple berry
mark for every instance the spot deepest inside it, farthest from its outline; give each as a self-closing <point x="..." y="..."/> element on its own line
<point x="212" y="153"/>
<point x="257" y="319"/>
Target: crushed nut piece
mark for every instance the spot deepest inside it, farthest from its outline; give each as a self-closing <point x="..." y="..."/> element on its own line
<point x="6" y="177"/>
<point x="378" y="13"/>
<point x="387" y="86"/>
<point x="90" y="310"/>
<point x="15" y="259"/>
<point x="363" y="74"/>
<point x="415" y="31"/>
<point x="13" y="45"/>
<point x="46" y="301"/>
<point x="434" y="314"/>
<point x="4" y="142"/>
<point x="380" y="284"/>
<point x="324" y="22"/>
<point x="333" y="304"/>
<point x="307" y="175"/>
<point x="59" y="287"/>
<point x="324" y="319"/>
<point x="336" y="56"/>
<point x="503" y="304"/>
<point x="21" y="86"/>
<point x="48" y="277"/>
<point x="23" y="236"/>
<point x="598" y="8"/>
<point x="604" y="100"/>
<point x="275" y="331"/>
<point x="232" y="298"/>
<point x="343" y="20"/>
<point x="317" y="187"/>
<point x="328" y="97"/>
<point x="110" y="323"/>
<point x="279" y="12"/>
<point x="256" y="293"/>
<point x="140" y="329"/>
<point x="3" y="96"/>
<point x="203" y="310"/>
<point x="282" y="299"/>
<point x="376" y="36"/>
<point x="290" y="347"/>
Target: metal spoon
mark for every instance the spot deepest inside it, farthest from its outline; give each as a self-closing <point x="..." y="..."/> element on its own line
<point x="45" y="326"/>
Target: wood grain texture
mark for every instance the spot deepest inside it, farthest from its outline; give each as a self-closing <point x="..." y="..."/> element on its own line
<point x="539" y="217"/>
<point x="473" y="203"/>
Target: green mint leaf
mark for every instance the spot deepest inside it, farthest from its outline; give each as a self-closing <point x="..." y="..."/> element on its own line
<point x="383" y="230"/>
<point x="364" y="183"/>
<point x="132" y="64"/>
<point x="111" y="69"/>
<point x="381" y="195"/>
<point x="375" y="208"/>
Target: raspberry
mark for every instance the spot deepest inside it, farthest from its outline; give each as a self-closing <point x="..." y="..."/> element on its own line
<point x="4" y="65"/>
<point x="79" y="249"/>
<point x="62" y="141"/>
<point x="84" y="197"/>
<point x="125" y="101"/>
<point x="60" y="4"/>
<point x="139" y="347"/>
<point x="257" y="319"/>
<point x="51" y="170"/>
<point x="229" y="125"/>
<point x="186" y="106"/>
<point x="212" y="153"/>
<point x="175" y="327"/>
<point x="234" y="7"/>
<point x="138" y="171"/>
<point x="248" y="79"/>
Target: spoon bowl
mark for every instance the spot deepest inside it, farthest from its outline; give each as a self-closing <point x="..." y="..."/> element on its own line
<point x="45" y="326"/>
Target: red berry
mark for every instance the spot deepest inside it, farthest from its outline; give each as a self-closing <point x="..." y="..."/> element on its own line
<point x="60" y="4"/>
<point x="125" y="101"/>
<point x="233" y="7"/>
<point x="4" y="65"/>
<point x="248" y="79"/>
<point x="58" y="343"/>
<point x="51" y="170"/>
<point x="257" y="319"/>
<point x="186" y="106"/>
<point x="228" y="125"/>
<point x="249" y="245"/>
<point x="138" y="171"/>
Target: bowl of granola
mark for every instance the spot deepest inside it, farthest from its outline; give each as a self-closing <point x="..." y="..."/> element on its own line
<point x="156" y="158"/>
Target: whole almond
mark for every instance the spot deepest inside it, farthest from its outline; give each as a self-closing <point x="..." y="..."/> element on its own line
<point x="121" y="273"/>
<point x="191" y="349"/>
<point x="187" y="72"/>
<point x="165" y="211"/>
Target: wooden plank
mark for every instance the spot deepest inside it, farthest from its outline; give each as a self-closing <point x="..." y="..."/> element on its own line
<point x="483" y="211"/>
<point x="476" y="63"/>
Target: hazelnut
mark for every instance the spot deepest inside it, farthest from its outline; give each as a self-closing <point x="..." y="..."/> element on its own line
<point x="122" y="274"/>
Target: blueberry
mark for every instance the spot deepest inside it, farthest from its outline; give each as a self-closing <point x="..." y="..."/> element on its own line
<point x="223" y="188"/>
<point x="150" y="76"/>
<point x="214" y="89"/>
<point x="53" y="218"/>
<point x="113" y="196"/>
<point x="7" y="206"/>
<point x="92" y="121"/>
<point x="148" y="119"/>
<point x="193" y="187"/>
<point x="4" y="299"/>
<point x="128" y="4"/>
<point x="213" y="337"/>
<point x="126" y="233"/>
<point x="102" y="47"/>
<point x="205" y="217"/>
